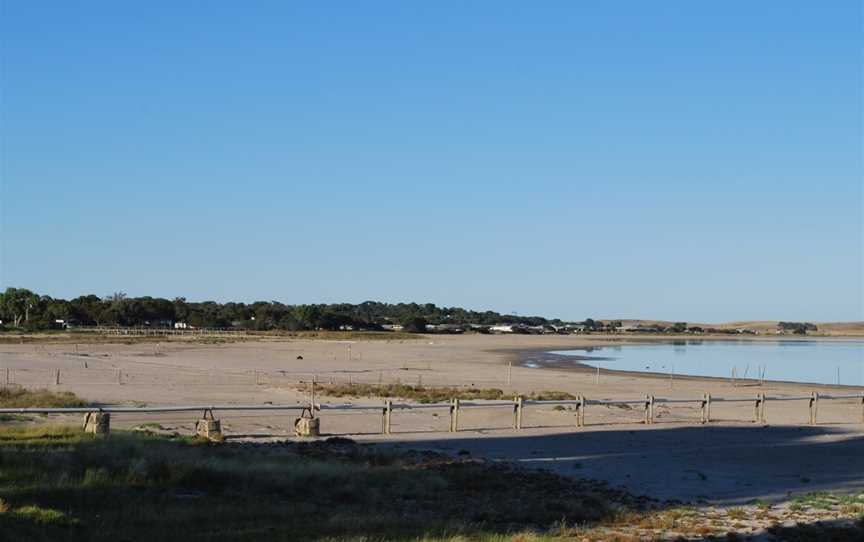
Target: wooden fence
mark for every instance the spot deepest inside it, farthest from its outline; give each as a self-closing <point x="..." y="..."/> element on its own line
<point x="158" y="331"/>
<point x="81" y="370"/>
<point x="455" y="406"/>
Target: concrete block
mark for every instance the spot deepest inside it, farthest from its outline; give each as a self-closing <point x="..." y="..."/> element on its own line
<point x="209" y="428"/>
<point x="97" y="423"/>
<point x="307" y="427"/>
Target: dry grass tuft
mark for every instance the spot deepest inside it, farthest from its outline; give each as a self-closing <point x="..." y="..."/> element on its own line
<point x="24" y="398"/>
<point x="427" y="394"/>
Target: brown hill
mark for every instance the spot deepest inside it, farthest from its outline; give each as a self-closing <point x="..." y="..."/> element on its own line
<point x="762" y="326"/>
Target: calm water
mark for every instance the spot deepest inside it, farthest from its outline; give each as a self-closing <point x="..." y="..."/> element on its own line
<point x="798" y="361"/>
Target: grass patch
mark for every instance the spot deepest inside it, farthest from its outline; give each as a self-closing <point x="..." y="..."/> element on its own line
<point x="736" y="514"/>
<point x="14" y="418"/>
<point x="56" y="483"/>
<point x="551" y="396"/>
<point x="821" y="500"/>
<point x="23" y="398"/>
<point x="60" y="484"/>
<point x="427" y="394"/>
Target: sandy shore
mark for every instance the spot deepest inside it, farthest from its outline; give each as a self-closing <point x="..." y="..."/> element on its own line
<point x="731" y="460"/>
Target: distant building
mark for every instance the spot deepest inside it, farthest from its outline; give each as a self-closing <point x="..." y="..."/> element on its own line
<point x="509" y="328"/>
<point x="444" y="328"/>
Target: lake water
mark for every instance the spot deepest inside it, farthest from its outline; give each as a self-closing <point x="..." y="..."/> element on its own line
<point x="797" y="361"/>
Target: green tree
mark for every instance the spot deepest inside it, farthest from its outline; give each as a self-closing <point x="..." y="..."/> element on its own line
<point x="414" y="324"/>
<point x="17" y="303"/>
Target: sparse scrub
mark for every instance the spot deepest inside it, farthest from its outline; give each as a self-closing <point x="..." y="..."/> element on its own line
<point x="427" y="394"/>
<point x="59" y="484"/>
<point x="23" y="398"/>
<point x="736" y="513"/>
<point x="819" y="500"/>
<point x="546" y="395"/>
<point x="340" y="335"/>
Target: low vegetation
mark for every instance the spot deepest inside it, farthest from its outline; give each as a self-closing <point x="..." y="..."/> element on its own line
<point x="58" y="484"/>
<point x="427" y="394"/>
<point x="340" y="335"/>
<point x="14" y="397"/>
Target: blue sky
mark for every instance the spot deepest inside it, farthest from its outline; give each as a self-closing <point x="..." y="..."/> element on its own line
<point x="680" y="160"/>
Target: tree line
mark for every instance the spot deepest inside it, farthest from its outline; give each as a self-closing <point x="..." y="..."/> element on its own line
<point x="24" y="309"/>
<point x="799" y="328"/>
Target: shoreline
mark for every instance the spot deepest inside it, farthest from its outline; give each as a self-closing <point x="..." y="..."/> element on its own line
<point x="545" y="359"/>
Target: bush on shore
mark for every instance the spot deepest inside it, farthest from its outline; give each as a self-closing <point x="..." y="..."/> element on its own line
<point x="428" y="394"/>
<point x="16" y="397"/>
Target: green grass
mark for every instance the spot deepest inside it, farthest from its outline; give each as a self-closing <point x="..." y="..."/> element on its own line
<point x="821" y="500"/>
<point x="23" y="398"/>
<point x="58" y="484"/>
<point x="427" y="394"/>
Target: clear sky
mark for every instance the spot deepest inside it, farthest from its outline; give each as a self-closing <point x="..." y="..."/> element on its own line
<point x="696" y="161"/>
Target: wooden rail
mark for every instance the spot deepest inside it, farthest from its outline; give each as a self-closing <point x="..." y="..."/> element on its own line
<point x="157" y="331"/>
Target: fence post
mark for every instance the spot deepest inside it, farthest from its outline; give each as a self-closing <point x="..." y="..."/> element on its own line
<point x="649" y="409"/>
<point x="814" y="407"/>
<point x="646" y="405"/>
<point x="454" y="415"/>
<point x="759" y="413"/>
<point x="706" y="408"/>
<point x="385" y="422"/>
<point x="57" y="378"/>
<point x="120" y="376"/>
<point x="580" y="411"/>
<point x="452" y="412"/>
<point x="517" y="412"/>
<point x="583" y="403"/>
<point x="7" y="376"/>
